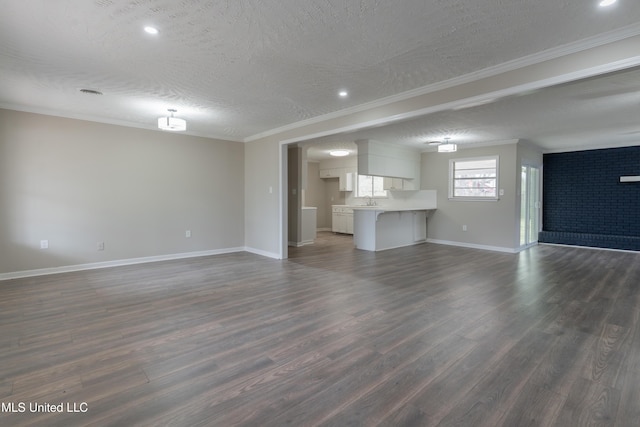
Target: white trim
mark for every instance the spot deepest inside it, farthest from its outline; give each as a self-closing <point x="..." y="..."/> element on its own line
<point x="283" y="191"/>
<point x="300" y="244"/>
<point x="262" y="253"/>
<point x="451" y="183"/>
<point x="114" y="122"/>
<point x="417" y="242"/>
<point x="536" y="58"/>
<point x="116" y="263"/>
<point x="527" y="246"/>
<point x="473" y="246"/>
<point x="635" y="178"/>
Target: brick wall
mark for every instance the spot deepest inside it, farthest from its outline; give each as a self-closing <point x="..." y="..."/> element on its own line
<point x="583" y="195"/>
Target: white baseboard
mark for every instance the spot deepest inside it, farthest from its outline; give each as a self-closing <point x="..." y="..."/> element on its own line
<point x="419" y="242"/>
<point x="299" y="244"/>
<point x="262" y="253"/>
<point x="473" y="246"/>
<point x="115" y="263"/>
<point x="324" y="229"/>
<point x="143" y="260"/>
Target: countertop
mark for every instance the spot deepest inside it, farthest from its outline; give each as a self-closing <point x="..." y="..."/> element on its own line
<point x="386" y="208"/>
<point x="393" y="208"/>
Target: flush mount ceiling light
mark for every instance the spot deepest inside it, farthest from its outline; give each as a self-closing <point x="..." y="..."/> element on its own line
<point x="605" y="3"/>
<point x="447" y="147"/>
<point x="151" y="30"/>
<point x="343" y="94"/>
<point x="339" y="153"/>
<point x="90" y="91"/>
<point x="172" y="123"/>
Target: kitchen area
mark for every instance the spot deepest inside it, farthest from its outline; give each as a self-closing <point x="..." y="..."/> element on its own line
<point x="366" y="190"/>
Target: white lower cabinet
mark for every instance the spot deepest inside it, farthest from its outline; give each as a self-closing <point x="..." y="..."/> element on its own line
<point x="342" y="220"/>
<point x="397" y="184"/>
<point x="349" y="223"/>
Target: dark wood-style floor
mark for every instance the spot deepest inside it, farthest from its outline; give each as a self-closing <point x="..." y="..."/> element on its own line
<point x="428" y="335"/>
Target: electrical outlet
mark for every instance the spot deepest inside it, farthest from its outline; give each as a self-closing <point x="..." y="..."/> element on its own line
<point x="464" y="227"/>
<point x="100" y="246"/>
<point x="187" y="234"/>
<point x="44" y="244"/>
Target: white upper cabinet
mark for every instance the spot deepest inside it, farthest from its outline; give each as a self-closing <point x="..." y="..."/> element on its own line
<point x="388" y="160"/>
<point x="398" y="184"/>
<point x="330" y="172"/>
<point x="343" y="168"/>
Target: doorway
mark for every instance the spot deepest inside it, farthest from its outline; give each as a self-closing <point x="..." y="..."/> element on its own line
<point x="530" y="206"/>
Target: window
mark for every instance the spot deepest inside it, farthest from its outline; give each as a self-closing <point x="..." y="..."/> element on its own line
<point x="473" y="179"/>
<point x="370" y="186"/>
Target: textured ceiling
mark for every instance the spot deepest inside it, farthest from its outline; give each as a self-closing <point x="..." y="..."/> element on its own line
<point x="594" y="112"/>
<point x="238" y="68"/>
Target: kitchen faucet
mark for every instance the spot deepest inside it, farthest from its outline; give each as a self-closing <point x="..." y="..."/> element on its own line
<point x="371" y="202"/>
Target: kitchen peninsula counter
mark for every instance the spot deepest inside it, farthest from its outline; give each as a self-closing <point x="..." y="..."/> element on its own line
<point x="377" y="228"/>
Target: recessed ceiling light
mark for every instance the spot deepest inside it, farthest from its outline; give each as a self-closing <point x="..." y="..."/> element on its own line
<point x="605" y="3"/>
<point x="343" y="94"/>
<point x="151" y="30"/>
<point x="339" y="153"/>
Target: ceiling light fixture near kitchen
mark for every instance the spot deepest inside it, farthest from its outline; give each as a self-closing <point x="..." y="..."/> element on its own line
<point x="151" y="30"/>
<point x="605" y="3"/>
<point x="172" y="123"/>
<point x="339" y="153"/>
<point x="343" y="94"/>
<point x="90" y="91"/>
<point x="447" y="147"/>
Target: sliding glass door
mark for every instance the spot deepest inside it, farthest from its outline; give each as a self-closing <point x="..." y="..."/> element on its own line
<point x="530" y="194"/>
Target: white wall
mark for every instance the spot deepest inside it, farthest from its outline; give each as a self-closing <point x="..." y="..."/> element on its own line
<point x="77" y="183"/>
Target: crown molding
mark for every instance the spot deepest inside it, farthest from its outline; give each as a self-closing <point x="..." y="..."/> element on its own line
<point x="536" y="58"/>
<point x="115" y="122"/>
